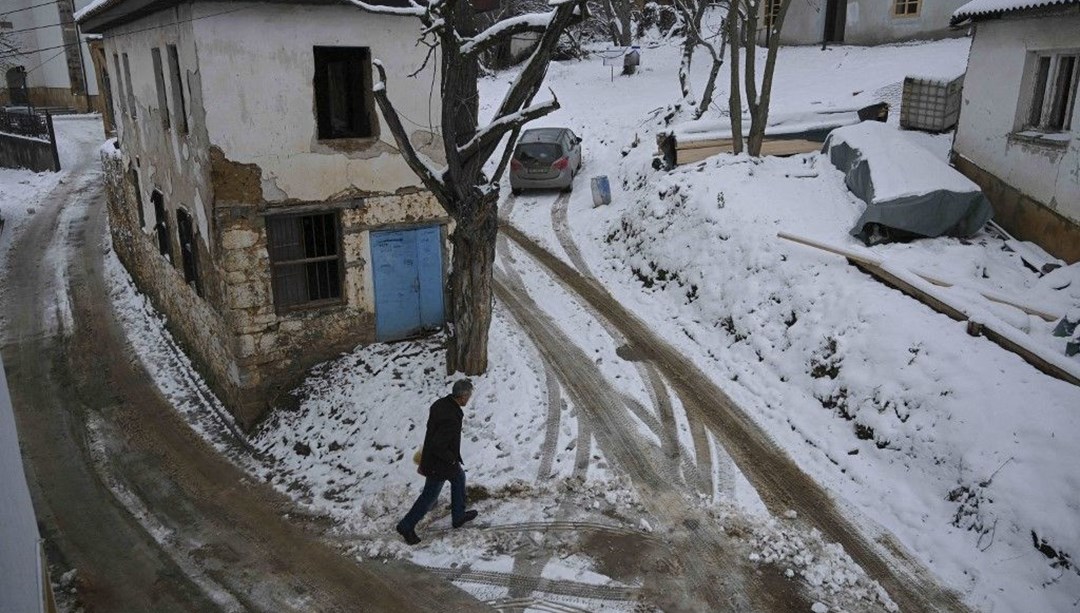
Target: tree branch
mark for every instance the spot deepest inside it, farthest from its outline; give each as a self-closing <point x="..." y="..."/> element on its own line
<point x="506" y="28"/>
<point x="431" y="177"/>
<point x="494" y="131"/>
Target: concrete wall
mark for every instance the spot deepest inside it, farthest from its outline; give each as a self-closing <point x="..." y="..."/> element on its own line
<point x="995" y="94"/>
<point x="31" y="153"/>
<point x="869" y="22"/>
<point x="252" y="152"/>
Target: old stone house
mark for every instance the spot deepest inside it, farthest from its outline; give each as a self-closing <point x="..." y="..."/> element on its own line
<point x="257" y="196"/>
<point x="864" y="22"/>
<point x="1018" y="135"/>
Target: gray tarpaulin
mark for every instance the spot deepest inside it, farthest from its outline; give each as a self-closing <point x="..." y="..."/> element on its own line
<point x="929" y="208"/>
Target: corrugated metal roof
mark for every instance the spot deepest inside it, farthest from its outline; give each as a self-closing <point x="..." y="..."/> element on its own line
<point x="982" y="8"/>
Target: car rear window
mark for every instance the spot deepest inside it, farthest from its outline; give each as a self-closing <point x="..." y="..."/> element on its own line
<point x="532" y="153"/>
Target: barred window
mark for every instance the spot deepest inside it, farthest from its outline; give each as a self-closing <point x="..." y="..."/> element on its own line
<point x="305" y="258"/>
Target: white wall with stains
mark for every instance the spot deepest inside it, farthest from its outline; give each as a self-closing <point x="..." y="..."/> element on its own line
<point x="869" y="22"/>
<point x="996" y="92"/>
<point x="257" y="64"/>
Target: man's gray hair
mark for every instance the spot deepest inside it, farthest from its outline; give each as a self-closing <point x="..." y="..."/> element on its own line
<point x="462" y="387"/>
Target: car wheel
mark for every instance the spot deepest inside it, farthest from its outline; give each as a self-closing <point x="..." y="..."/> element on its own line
<point x="515" y="190"/>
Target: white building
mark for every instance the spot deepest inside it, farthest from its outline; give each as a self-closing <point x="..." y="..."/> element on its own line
<point x="865" y="22"/>
<point x="257" y="194"/>
<point x="51" y="67"/>
<point x="1019" y="130"/>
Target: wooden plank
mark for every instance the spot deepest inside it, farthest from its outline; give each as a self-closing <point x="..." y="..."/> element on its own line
<point x="782" y="147"/>
<point x="988" y="332"/>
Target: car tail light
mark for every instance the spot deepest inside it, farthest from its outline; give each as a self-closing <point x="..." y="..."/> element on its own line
<point x="561" y="163"/>
<point x="515" y="165"/>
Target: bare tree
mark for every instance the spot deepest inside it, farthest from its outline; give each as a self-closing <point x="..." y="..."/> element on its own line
<point x="692" y="13"/>
<point x="617" y="15"/>
<point x="746" y="37"/>
<point x="468" y="194"/>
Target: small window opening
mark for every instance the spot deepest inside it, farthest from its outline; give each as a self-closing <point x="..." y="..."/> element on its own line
<point x="162" y="225"/>
<point x="159" y="82"/>
<point x="177" y="86"/>
<point x="343" y="95"/>
<point x="305" y="260"/>
<point x="189" y="251"/>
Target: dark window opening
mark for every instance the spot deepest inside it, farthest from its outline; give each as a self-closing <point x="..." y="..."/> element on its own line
<point x="159" y="82"/>
<point x="162" y="225"/>
<point x="1042" y="75"/>
<point x="1064" y="92"/>
<point x="134" y="174"/>
<point x="344" y="101"/>
<point x="120" y="85"/>
<point x="130" y="89"/>
<point x="305" y="260"/>
<point x="177" y="86"/>
<point x="189" y="251"/>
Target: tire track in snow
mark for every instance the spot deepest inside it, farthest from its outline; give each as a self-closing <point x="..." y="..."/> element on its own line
<point x="779" y="481"/>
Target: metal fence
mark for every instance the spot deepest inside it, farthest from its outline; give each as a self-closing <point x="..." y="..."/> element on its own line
<point x="24" y="122"/>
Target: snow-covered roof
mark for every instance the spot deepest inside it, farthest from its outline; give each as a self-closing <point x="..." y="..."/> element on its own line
<point x="985" y="8"/>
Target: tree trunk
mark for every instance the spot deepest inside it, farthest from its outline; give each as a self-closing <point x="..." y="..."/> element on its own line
<point x="734" y="97"/>
<point x="473" y="241"/>
<point x="710" y="88"/>
<point x="761" y="119"/>
<point x="684" y="71"/>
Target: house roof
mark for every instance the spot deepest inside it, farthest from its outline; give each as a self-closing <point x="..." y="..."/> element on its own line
<point x="100" y="15"/>
<point x="977" y="9"/>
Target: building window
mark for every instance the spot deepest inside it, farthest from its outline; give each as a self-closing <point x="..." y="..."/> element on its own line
<point x="177" y="86"/>
<point x="343" y="97"/>
<point x="1054" y="80"/>
<point x="189" y="252"/>
<point x="162" y="224"/>
<point x="130" y="89"/>
<point x="120" y="85"/>
<point x="906" y="8"/>
<point x="134" y="174"/>
<point x="305" y="259"/>
<point x="159" y="82"/>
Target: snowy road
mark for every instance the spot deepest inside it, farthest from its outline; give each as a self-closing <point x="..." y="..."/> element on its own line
<point x="782" y="486"/>
<point x="150" y="515"/>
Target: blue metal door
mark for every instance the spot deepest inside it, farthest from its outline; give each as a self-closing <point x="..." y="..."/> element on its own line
<point x="408" y="277"/>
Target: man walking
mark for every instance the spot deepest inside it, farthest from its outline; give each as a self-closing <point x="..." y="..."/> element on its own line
<point x="440" y="461"/>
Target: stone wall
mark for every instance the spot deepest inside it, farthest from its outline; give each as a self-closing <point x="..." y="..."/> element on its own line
<point x="192" y="320"/>
<point x="275" y="350"/>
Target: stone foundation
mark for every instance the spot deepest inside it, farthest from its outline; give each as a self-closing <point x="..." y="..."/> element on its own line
<point x="251" y="353"/>
<point x="1024" y="217"/>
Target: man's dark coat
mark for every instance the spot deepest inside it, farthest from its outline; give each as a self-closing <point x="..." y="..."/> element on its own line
<point x="441" y="458"/>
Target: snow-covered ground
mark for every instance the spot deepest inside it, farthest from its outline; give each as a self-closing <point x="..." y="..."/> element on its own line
<point x="956" y="447"/>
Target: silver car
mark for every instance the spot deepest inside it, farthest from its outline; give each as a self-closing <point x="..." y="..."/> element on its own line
<point x="545" y="158"/>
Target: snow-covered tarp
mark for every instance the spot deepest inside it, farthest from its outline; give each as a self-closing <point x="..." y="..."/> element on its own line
<point x="907" y="190"/>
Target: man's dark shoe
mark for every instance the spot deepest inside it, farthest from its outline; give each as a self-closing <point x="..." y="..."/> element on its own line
<point x="410" y="535"/>
<point x="468" y="517"/>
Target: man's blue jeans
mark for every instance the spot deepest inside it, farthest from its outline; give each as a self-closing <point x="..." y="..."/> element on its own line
<point x="430" y="495"/>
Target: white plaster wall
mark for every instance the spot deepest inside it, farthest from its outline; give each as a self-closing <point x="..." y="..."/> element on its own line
<point x="992" y="95"/>
<point x="870" y="22"/>
<point x="174" y="163"/>
<point x="257" y="72"/>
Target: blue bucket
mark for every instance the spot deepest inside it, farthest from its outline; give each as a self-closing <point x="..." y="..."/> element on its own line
<point x="601" y="191"/>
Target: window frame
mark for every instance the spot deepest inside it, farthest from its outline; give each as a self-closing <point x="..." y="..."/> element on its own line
<point x="1041" y="92"/>
<point x="339" y="257"/>
<point x="321" y="56"/>
<point x="897" y="4"/>
<point x="132" y="107"/>
<point x="159" y="84"/>
<point x="176" y="83"/>
<point x="189" y="265"/>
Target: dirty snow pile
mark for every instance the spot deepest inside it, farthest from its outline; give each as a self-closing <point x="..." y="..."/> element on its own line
<point x="957" y="447"/>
